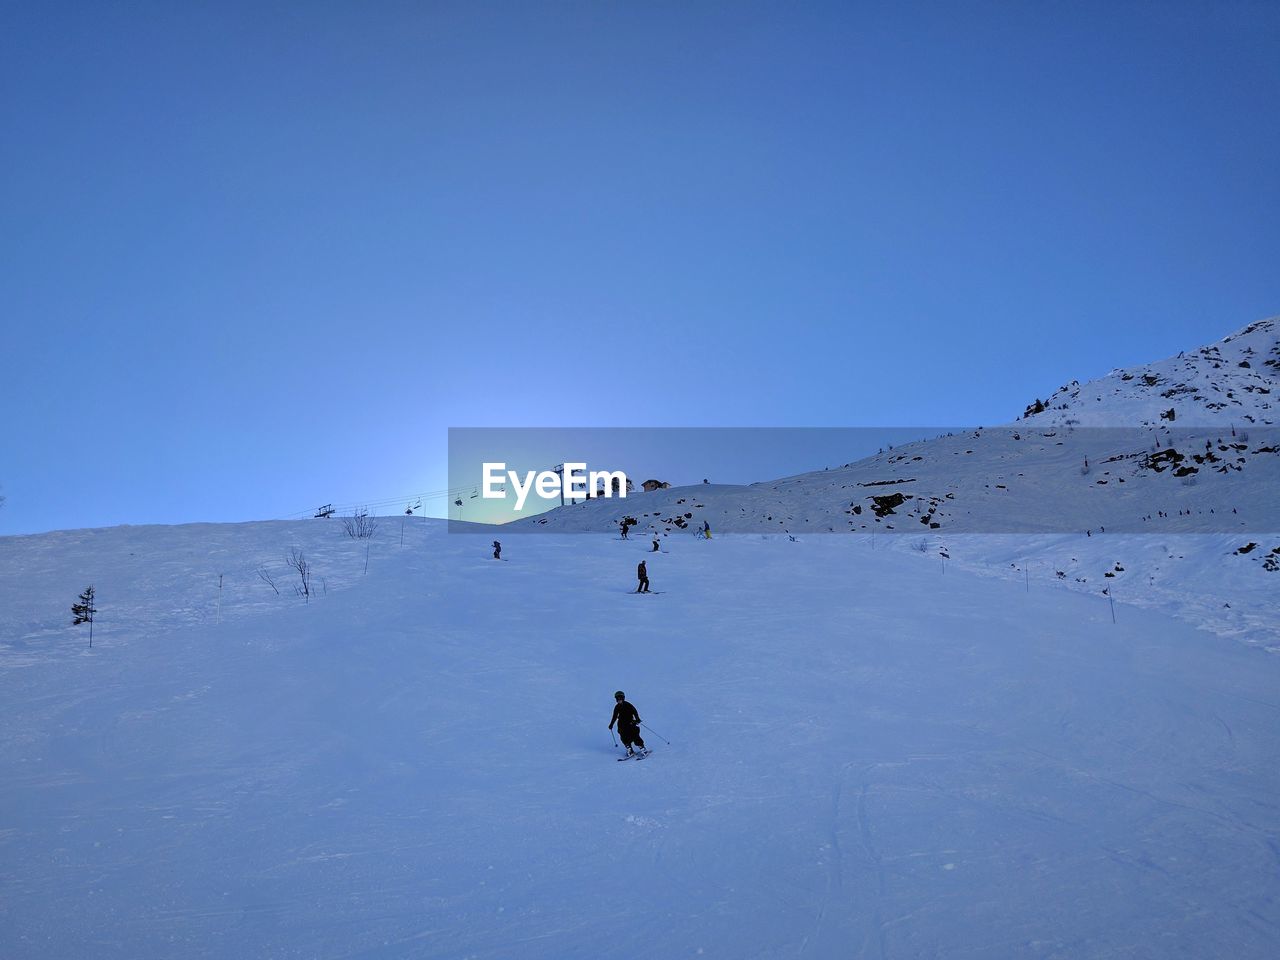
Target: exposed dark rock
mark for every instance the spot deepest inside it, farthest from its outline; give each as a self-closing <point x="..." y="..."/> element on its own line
<point x="1161" y="460"/>
<point x="883" y="506"/>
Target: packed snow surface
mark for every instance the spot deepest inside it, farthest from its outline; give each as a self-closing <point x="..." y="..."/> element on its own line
<point x="860" y="752"/>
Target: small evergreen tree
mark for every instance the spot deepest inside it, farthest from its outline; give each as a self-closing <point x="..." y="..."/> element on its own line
<point x="84" y="611"/>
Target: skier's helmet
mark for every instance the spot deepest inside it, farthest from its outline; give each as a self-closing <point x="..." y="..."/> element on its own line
<point x="619" y="695"/>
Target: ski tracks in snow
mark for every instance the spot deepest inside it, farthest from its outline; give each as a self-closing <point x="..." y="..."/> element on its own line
<point x="823" y="938"/>
<point x="835" y="869"/>
<point x="875" y="936"/>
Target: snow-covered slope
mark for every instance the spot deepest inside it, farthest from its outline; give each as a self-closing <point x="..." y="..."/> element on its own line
<point x="870" y="754"/>
<point x="994" y="480"/>
<point x="1230" y="382"/>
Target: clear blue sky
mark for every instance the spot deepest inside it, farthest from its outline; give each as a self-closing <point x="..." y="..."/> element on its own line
<point x="261" y="256"/>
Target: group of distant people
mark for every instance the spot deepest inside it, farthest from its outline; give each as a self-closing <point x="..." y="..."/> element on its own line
<point x="624" y="527"/>
<point x="642" y="570"/>
<point x="1181" y="513"/>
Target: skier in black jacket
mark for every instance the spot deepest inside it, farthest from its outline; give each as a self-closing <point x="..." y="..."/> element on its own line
<point x="642" y="573"/>
<point x="628" y="720"/>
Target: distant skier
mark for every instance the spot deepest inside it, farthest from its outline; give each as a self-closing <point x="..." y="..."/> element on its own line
<point x="655" y="545"/>
<point x="628" y="720"/>
<point x="497" y="550"/>
<point x="623" y="525"/>
<point x="706" y="530"/>
<point x="643" y="574"/>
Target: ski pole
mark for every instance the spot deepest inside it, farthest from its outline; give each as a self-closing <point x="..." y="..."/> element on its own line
<point x="655" y="733"/>
<point x="612" y="737"/>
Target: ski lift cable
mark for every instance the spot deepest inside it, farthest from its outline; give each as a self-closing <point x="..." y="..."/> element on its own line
<point x="384" y="502"/>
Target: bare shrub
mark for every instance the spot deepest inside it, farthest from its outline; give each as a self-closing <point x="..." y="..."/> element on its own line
<point x="360" y="526"/>
<point x="299" y="562"/>
<point x="265" y="576"/>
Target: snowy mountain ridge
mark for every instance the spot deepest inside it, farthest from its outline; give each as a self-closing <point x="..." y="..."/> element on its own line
<point x="1229" y="382"/>
<point x="1108" y="463"/>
